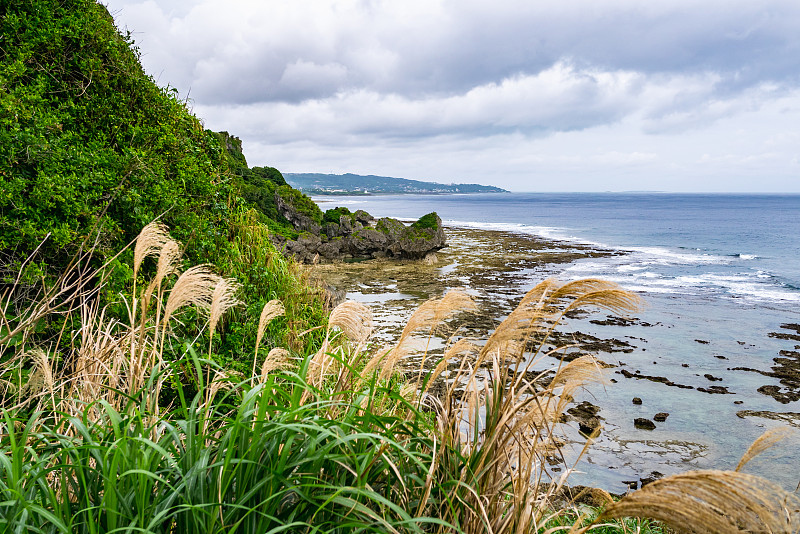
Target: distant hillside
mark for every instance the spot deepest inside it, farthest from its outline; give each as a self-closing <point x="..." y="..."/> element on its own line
<point x="340" y="184"/>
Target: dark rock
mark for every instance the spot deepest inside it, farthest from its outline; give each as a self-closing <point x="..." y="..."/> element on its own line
<point x="352" y="237"/>
<point x="718" y="390"/>
<point x="637" y="400"/>
<point x="585" y="414"/>
<point x="660" y="417"/>
<point x="644" y="424"/>
<point x="652" y="477"/>
<point x="702" y="341"/>
<point x="332" y="230"/>
<point x="392" y="228"/>
<point x="416" y="242"/>
<point x="363" y="217"/>
<point x="364" y="242"/>
<point x="712" y="377"/>
<point x="331" y="249"/>
<point x="662" y="379"/>
<point x="302" y="222"/>
<point x="784" y="397"/>
<point x="615" y="321"/>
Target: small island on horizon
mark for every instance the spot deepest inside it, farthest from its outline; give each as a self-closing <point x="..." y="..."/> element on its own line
<point x="354" y="184"/>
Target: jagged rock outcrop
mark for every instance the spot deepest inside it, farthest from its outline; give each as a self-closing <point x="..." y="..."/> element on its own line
<point x="301" y="221"/>
<point x="359" y="236"/>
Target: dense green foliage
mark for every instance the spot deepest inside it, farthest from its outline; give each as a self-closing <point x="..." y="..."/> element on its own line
<point x="427" y="221"/>
<point x="87" y="139"/>
<point x="301" y="203"/>
<point x="334" y="215"/>
<point x="92" y="149"/>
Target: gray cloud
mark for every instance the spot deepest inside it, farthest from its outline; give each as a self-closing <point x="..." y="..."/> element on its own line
<point x="659" y="88"/>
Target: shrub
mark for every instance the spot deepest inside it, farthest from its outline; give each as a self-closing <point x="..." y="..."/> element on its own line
<point x="427" y="221"/>
<point x="334" y="215"/>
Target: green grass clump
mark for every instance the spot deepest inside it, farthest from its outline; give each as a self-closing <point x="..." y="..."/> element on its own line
<point x="427" y="221"/>
<point x="333" y="215"/>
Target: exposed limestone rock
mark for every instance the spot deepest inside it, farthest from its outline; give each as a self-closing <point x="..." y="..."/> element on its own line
<point x="644" y="424"/>
<point x="301" y="222"/>
<point x="359" y="236"/>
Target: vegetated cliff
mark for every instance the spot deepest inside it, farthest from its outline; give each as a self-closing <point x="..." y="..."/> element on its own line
<point x="92" y="150"/>
<point x="89" y="142"/>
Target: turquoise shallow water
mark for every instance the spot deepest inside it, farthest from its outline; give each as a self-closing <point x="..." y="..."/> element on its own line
<point x="720" y="273"/>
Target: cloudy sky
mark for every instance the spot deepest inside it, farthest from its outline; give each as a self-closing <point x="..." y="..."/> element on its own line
<point x="530" y="95"/>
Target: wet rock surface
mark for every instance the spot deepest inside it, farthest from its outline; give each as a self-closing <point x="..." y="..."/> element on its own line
<point x="786" y="368"/>
<point x="586" y="415"/>
<point x="790" y="418"/>
<point x="644" y="424"/>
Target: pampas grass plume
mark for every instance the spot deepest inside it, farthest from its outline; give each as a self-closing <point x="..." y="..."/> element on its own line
<point x="150" y="240"/>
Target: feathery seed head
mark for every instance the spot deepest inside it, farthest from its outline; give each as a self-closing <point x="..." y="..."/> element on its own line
<point x="277" y="358"/>
<point x="222" y="299"/>
<point x="150" y="240"/>
<point x="270" y="311"/>
<point x="712" y="501"/>
<point x="354" y="319"/>
<point x="195" y="286"/>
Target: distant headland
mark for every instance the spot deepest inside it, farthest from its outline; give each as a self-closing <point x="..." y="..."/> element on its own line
<point x="354" y="184"/>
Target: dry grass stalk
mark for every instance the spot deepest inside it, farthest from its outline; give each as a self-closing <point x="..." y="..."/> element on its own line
<point x="768" y="439"/>
<point x="270" y="311"/>
<point x="355" y="321"/>
<point x="151" y="240"/>
<point x="712" y="501"/>
<point x="168" y="258"/>
<point x="430" y="314"/>
<point x="222" y="299"/>
<point x="504" y="424"/>
<point x="463" y="350"/>
<point x="278" y="358"/>
<point x="194" y="287"/>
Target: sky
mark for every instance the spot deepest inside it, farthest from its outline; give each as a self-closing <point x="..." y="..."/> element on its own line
<point x="528" y="95"/>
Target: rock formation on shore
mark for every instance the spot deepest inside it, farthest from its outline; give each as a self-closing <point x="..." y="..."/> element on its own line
<point x="343" y="235"/>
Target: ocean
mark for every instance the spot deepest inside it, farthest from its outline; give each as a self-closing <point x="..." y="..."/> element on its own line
<point x="717" y="345"/>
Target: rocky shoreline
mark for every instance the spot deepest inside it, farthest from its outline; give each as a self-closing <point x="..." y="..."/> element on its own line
<point x="638" y="441"/>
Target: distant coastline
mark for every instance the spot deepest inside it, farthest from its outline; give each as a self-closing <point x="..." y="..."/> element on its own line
<point x="355" y="184"/>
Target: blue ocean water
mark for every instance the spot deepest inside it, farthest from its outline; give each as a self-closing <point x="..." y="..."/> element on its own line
<point x="727" y="246"/>
<point x="720" y="275"/>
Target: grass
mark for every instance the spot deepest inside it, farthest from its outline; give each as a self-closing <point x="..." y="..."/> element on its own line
<point x="134" y="426"/>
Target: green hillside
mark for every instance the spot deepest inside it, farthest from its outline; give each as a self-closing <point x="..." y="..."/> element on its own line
<point x="92" y="150"/>
<point x="327" y="184"/>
